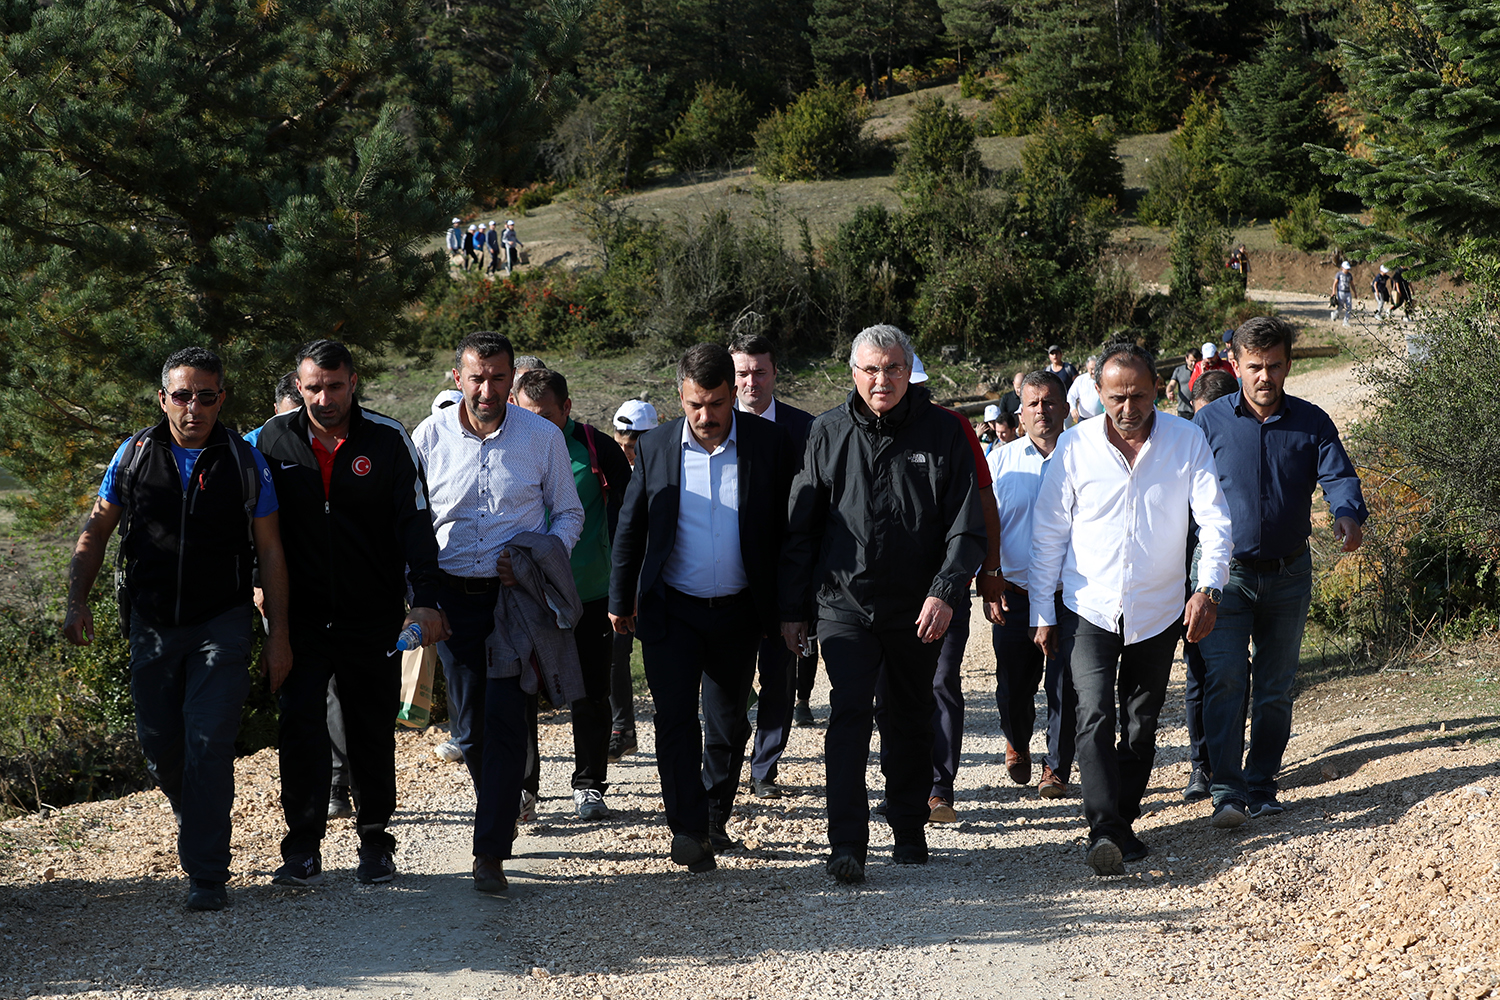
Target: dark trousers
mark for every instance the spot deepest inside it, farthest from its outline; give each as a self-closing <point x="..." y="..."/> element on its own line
<point x="336" y="738"/>
<point x="492" y="730"/>
<point x="896" y="666"/>
<point x="807" y="669"/>
<point x="1019" y="668"/>
<point x="591" y="713"/>
<point x="369" y="686"/>
<point x="1114" y="777"/>
<point x="621" y="684"/>
<point x="1192" y="698"/>
<point x="948" y="707"/>
<point x="709" y="650"/>
<point x="189" y="684"/>
<point x="773" y="712"/>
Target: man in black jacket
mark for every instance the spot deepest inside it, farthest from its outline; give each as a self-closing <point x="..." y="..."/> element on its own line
<point x="694" y="576"/>
<point x="356" y="528"/>
<point x="884" y="533"/>
<point x="200" y="509"/>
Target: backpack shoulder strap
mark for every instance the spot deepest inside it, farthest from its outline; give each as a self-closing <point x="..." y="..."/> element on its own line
<point x="249" y="474"/>
<point x="594" y="467"/>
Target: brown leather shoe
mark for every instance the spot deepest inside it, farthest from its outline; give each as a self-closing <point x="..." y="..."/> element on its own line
<point x="1051" y="786"/>
<point x="489" y="874"/>
<point x="1018" y="763"/>
<point x="941" y="810"/>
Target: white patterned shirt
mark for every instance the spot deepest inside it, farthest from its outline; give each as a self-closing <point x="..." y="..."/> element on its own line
<point x="486" y="491"/>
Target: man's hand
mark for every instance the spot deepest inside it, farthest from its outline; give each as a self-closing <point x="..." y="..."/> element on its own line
<point x="1348" y="531"/>
<point x="1199" y="617"/>
<point x="434" y="624"/>
<point x="994" y="611"/>
<point x="794" y="634"/>
<point x="623" y="624"/>
<point x="258" y="595"/>
<point x="1044" y="637"/>
<point x="507" y="574"/>
<point x="932" y="623"/>
<point x="991" y="588"/>
<point x="276" y="659"/>
<point x="78" y="626"/>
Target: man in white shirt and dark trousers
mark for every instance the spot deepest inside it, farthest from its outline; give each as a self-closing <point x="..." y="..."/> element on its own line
<point x="493" y="472"/>
<point x="1109" y="527"/>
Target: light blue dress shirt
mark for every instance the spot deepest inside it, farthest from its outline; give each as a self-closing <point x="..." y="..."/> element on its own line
<point x="705" y="559"/>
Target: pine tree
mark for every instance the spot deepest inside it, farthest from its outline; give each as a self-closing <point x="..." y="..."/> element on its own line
<point x="242" y="177"/>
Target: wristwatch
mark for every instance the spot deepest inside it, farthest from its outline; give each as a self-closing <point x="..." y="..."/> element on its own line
<point x="1214" y="593"/>
<point x="990" y="572"/>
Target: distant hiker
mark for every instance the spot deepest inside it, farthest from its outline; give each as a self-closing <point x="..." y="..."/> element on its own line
<point x="1239" y="263"/>
<point x="455" y="240"/>
<point x="492" y="244"/>
<point x="1343" y="293"/>
<point x="512" y="245"/>
<point x="1381" y="286"/>
<point x="1211" y="362"/>
<point x="1401" y="293"/>
<point x="199" y="509"/>
<point x="1062" y="369"/>
<point x="472" y="247"/>
<point x="1083" y="397"/>
<point x="1179" y="386"/>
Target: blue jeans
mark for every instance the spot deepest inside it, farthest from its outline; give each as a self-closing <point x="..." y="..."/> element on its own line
<point x="189" y="684"/>
<point x="1270" y="610"/>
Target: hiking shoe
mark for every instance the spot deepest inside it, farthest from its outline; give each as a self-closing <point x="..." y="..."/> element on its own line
<point x="802" y="714"/>
<point x="207" y="895"/>
<point x="449" y="751"/>
<point x="621" y="744"/>
<point x="880" y="808"/>
<point x="765" y="788"/>
<point x="1132" y="848"/>
<point x="489" y="874"/>
<point x="1266" y="807"/>
<point x="300" y="870"/>
<point x="940" y="810"/>
<point x="1051" y="786"/>
<point x="1197" y="787"/>
<point x="1018" y="764"/>
<point x="375" y="865"/>
<point x="1228" y="815"/>
<point x="340" y="806"/>
<point x="692" y="853"/>
<point x="1105" y="857"/>
<point x="845" y="866"/>
<point x="910" y="849"/>
<point x="590" y="803"/>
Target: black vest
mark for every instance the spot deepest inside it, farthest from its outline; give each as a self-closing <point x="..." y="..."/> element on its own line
<point x="188" y="555"/>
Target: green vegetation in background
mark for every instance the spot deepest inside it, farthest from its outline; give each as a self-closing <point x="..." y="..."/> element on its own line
<point x="818" y="135"/>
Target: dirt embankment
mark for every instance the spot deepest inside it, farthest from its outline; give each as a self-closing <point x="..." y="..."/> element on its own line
<point x="1279" y="270"/>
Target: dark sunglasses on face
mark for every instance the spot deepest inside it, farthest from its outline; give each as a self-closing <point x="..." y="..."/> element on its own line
<point x="205" y="397"/>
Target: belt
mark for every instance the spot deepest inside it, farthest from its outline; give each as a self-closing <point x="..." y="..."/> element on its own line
<point x="470" y="584"/>
<point x="1271" y="565"/>
<point x="1012" y="588"/>
<point x="711" y="602"/>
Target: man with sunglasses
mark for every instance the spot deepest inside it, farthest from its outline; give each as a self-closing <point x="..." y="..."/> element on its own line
<point x="884" y="533"/>
<point x="182" y="489"/>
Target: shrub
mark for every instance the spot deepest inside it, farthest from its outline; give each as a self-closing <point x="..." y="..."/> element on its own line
<point x="1148" y="93"/>
<point x="714" y="130"/>
<point x="1303" y="225"/>
<point x="1014" y="112"/>
<point x="1075" y="154"/>
<point x="819" y="135"/>
<point x="939" y="146"/>
<point x="973" y="87"/>
<point x="1191" y="174"/>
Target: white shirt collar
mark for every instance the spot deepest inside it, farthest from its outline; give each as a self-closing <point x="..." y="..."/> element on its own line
<point x="688" y="441"/>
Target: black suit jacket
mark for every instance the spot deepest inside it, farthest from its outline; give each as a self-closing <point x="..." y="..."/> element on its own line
<point x="647" y="531"/>
<point x="797" y="423"/>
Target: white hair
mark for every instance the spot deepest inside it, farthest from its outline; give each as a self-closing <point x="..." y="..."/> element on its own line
<point x="882" y="337"/>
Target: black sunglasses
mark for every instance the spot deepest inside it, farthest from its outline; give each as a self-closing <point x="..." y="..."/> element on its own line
<point x="205" y="397"/>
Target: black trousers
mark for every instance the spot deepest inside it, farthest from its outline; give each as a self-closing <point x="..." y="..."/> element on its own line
<point x="369" y="691"/>
<point x="1104" y="666"/>
<point x="899" y="667"/>
<point x="621" y="684"/>
<point x="707" y="651"/>
<point x="773" y="712"/>
<point x="591" y="713"/>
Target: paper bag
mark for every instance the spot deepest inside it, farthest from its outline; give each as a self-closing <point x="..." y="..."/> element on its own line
<point x="417" y="666"/>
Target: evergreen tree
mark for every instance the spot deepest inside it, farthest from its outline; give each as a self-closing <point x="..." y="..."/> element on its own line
<point x="243" y="177"/>
<point x="971" y="25"/>
<point x="870" y="39"/>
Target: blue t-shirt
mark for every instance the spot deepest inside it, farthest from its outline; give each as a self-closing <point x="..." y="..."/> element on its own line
<point x="265" y="503"/>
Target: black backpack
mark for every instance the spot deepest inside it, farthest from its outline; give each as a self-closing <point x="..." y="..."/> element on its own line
<point x="244" y="460"/>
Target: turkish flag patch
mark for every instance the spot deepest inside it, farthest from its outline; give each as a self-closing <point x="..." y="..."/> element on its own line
<point x="361" y="466"/>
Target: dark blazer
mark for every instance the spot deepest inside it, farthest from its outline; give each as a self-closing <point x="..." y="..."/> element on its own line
<point x="797" y="423"/>
<point x="647" y="530"/>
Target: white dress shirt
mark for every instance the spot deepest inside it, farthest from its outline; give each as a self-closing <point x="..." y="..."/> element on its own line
<point x="484" y="491"/>
<point x="1084" y="397"/>
<point x="705" y="560"/>
<point x="770" y="413"/>
<point x="1115" y="535"/>
<point x="1016" y="471"/>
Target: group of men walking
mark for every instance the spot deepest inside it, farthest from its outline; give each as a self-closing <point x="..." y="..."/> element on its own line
<point x="745" y="529"/>
<point x="470" y="244"/>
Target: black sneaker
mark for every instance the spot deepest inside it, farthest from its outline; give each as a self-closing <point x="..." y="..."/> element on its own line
<point x="845" y="865"/>
<point x="1228" y="815"/>
<point x="621" y="743"/>
<point x="802" y="714"/>
<point x="207" y="895"/>
<point x="340" y="806"/>
<point x="697" y="856"/>
<point x="1266" y="807"/>
<point x="1132" y="848"/>
<point x="375" y="865"/>
<point x="910" y="849"/>
<point x="300" y="870"/>
<point x="1197" y="787"/>
<point x="1105" y="857"/>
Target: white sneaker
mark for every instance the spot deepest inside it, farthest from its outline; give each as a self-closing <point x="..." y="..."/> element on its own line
<point x="590" y="803"/>
<point x="449" y="751"/>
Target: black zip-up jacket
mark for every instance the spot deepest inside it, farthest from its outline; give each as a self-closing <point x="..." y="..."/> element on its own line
<point x="349" y="552"/>
<point x="884" y="514"/>
<point x="187" y="552"/>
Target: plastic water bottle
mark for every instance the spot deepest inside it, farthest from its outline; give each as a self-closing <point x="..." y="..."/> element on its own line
<point x="410" y="638"/>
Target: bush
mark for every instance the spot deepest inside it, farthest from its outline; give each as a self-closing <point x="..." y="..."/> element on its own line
<point x="1147" y="90"/>
<point x="973" y="87"/>
<point x="939" y="146"/>
<point x="714" y="130"/>
<point x="819" y="135"/>
<point x="1015" y="112"/>
<point x="1075" y="154"/>
<point x="1303" y="226"/>
<point x="1191" y="174"/>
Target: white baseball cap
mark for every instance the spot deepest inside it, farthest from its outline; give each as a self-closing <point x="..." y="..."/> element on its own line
<point x="458" y="222"/>
<point x="918" y="373"/>
<point x="635" y="415"/>
<point x="1346" y="265"/>
<point x="991" y="413"/>
<point x="510" y="222"/>
<point x="1210" y="350"/>
<point x="445" y="399"/>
